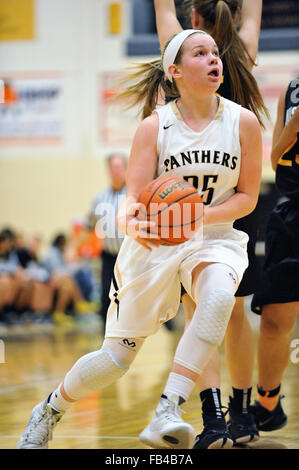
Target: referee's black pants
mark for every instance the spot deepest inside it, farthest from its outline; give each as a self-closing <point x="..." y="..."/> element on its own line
<point x="108" y="262"/>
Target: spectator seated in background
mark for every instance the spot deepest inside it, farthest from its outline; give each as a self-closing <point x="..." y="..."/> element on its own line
<point x="71" y="283"/>
<point x="25" y="284"/>
<point x="9" y="280"/>
<point x="86" y="244"/>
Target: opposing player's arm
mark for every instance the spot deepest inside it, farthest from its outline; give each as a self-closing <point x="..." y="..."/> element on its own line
<point x="141" y="170"/>
<point x="166" y="20"/>
<point x="284" y="137"/>
<point x="245" y="199"/>
<point x="251" y="16"/>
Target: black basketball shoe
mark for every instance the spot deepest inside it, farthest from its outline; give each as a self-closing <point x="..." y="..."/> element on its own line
<point x="241" y="426"/>
<point x="215" y="434"/>
<point x="269" y="420"/>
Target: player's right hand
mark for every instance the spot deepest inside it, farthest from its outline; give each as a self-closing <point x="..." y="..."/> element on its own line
<point x="142" y="231"/>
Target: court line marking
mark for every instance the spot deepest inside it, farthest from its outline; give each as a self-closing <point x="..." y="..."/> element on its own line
<point x="57" y="380"/>
<point x="15" y="388"/>
<point x="80" y="437"/>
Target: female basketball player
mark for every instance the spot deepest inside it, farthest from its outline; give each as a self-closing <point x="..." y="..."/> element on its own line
<point x="145" y="291"/>
<point x="277" y="300"/>
<point x="238" y="52"/>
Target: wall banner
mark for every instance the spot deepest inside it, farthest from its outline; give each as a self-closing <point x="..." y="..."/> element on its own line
<point x="32" y="111"/>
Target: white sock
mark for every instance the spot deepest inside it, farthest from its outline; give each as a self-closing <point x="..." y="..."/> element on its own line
<point x="179" y="384"/>
<point x="58" y="402"/>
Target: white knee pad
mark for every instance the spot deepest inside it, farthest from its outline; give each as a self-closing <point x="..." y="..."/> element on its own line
<point x="106" y="367"/>
<point x="207" y="328"/>
<point x="98" y="369"/>
<point x="214" y="315"/>
<point x="94" y="371"/>
<point x="215" y="299"/>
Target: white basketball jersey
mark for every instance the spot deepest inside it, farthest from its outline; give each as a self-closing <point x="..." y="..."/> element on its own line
<point x="210" y="159"/>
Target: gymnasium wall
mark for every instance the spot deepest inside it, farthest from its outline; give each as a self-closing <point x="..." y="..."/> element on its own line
<point x="54" y="138"/>
<point x="44" y="183"/>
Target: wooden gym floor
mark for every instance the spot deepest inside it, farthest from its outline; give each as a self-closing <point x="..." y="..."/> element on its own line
<point x="35" y="363"/>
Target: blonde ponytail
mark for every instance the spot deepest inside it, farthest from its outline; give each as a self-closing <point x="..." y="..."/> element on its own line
<point x="148" y="81"/>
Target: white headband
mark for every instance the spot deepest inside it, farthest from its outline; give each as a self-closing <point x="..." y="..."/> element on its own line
<point x="173" y="48"/>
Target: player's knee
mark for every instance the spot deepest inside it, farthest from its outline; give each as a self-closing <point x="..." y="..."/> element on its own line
<point x="123" y="350"/>
<point x="99" y="369"/>
<point x="275" y="325"/>
<point x="214" y="314"/>
<point x="238" y="311"/>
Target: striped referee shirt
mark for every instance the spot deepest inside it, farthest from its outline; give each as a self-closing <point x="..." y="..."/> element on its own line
<point x="104" y="209"/>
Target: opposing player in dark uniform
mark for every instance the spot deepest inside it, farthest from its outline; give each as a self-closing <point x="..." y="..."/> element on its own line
<point x="238" y="52"/>
<point x="277" y="300"/>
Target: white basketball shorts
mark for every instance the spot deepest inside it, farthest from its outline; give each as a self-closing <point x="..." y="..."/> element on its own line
<point x="145" y="290"/>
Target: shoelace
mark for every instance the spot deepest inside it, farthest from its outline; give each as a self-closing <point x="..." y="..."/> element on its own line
<point x="215" y="419"/>
<point x="172" y="410"/>
<point x="244" y="419"/>
<point x="222" y="407"/>
<point x="42" y="427"/>
<point x="225" y="408"/>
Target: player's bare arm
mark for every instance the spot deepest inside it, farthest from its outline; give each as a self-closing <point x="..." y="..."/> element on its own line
<point x="141" y="170"/>
<point x="245" y="199"/>
<point x="166" y="20"/>
<point x="143" y="157"/>
<point x="284" y="137"/>
<point x="251" y="15"/>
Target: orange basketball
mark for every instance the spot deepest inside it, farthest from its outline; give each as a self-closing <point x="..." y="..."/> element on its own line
<point x="175" y="206"/>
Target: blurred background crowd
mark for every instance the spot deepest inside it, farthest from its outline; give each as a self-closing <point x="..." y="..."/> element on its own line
<point x="58" y="285"/>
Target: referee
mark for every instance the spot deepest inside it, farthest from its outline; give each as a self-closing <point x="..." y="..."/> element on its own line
<point x="102" y="216"/>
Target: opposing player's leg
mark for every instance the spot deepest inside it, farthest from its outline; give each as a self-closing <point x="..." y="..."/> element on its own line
<point x="239" y="347"/>
<point x="189" y="307"/>
<point x="214" y="290"/>
<point x="239" y="353"/>
<point x="93" y="371"/>
<point x="215" y="433"/>
<point x="239" y="340"/>
<point x="277" y="321"/>
<point x="215" y="430"/>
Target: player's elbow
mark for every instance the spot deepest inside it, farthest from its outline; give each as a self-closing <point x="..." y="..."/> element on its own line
<point x="249" y="203"/>
<point x="273" y="164"/>
<point x="252" y="203"/>
<point x="274" y="157"/>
